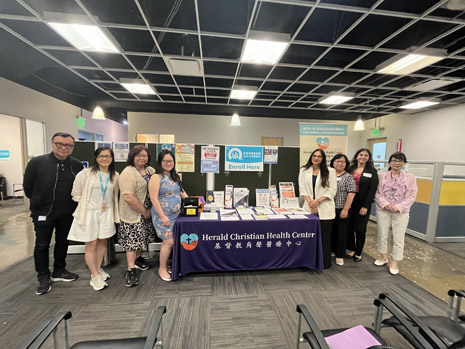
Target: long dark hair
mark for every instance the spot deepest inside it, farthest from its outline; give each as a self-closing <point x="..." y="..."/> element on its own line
<point x="354" y="164"/>
<point x="111" y="168"/>
<point x="339" y="156"/>
<point x="399" y="156"/>
<point x="173" y="174"/>
<point x="324" y="172"/>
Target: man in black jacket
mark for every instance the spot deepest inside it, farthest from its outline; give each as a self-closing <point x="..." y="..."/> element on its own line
<point x="48" y="182"/>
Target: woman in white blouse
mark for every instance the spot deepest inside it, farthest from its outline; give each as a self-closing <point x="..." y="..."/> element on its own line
<point x="96" y="191"/>
<point x="317" y="185"/>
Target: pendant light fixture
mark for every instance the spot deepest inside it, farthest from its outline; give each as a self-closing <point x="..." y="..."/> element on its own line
<point x="359" y="126"/>
<point x="98" y="113"/>
<point x="235" y="120"/>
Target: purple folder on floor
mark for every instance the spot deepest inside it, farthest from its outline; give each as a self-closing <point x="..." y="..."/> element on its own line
<point x="353" y="338"/>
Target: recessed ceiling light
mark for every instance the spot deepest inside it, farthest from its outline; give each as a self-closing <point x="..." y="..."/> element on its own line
<point x="431" y="85"/>
<point x="84" y="37"/>
<point x="336" y="98"/>
<point x="137" y="87"/>
<point x="264" y="47"/>
<point x="403" y="64"/>
<point x="243" y="92"/>
<point x="419" y="104"/>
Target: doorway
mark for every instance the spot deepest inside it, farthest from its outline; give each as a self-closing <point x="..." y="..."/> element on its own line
<point x="378" y="149"/>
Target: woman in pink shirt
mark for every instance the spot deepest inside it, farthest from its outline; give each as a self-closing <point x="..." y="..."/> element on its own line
<point x="396" y="193"/>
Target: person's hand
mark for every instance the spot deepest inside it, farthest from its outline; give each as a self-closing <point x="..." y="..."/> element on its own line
<point x="344" y="213"/>
<point x="166" y="221"/>
<point x="147" y="213"/>
<point x="391" y="208"/>
<point x="314" y="204"/>
<point x="363" y="211"/>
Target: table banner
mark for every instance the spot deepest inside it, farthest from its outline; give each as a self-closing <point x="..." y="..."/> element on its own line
<point x="201" y="246"/>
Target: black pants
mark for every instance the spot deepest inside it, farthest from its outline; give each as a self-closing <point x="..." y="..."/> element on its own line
<point x="357" y="228"/>
<point x="326" y="227"/>
<point x="339" y="234"/>
<point x="44" y="230"/>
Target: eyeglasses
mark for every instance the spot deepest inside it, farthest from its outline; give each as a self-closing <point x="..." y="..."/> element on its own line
<point x="104" y="157"/>
<point x="61" y="145"/>
<point x="339" y="161"/>
<point x="397" y="161"/>
<point x="141" y="156"/>
<point x="168" y="161"/>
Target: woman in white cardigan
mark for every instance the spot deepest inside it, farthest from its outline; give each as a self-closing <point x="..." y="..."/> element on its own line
<point x="96" y="191"/>
<point x="318" y="186"/>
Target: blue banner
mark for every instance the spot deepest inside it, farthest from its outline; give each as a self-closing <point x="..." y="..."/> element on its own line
<point x="243" y="158"/>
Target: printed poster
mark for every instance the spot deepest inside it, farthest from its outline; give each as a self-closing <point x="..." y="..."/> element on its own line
<point x="121" y="150"/>
<point x="210" y="159"/>
<point x="271" y="155"/>
<point x="332" y="138"/>
<point x="243" y="158"/>
<point x="102" y="144"/>
<point x="262" y="197"/>
<point x="185" y="157"/>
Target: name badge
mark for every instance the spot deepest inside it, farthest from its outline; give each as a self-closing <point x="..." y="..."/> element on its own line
<point x="42" y="218"/>
<point x="367" y="175"/>
<point x="338" y="178"/>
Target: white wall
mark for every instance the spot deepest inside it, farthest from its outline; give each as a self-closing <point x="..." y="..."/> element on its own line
<point x="437" y="135"/>
<point x="11" y="140"/>
<point x="215" y="129"/>
<point x="20" y="101"/>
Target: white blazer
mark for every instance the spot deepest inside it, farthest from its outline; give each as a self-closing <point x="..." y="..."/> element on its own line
<point x="327" y="209"/>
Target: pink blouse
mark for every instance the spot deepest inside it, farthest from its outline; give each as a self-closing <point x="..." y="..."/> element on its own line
<point x="400" y="191"/>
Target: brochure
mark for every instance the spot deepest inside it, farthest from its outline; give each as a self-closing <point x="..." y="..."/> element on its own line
<point x="276" y="216"/>
<point x="260" y="217"/>
<point x="298" y="210"/>
<point x="246" y="217"/>
<point x="230" y="218"/>
<point x="228" y="196"/>
<point x="274" y="196"/>
<point x="262" y="197"/>
<point x="297" y="216"/>
<point x="278" y="210"/>
<point x="208" y="216"/>
<point x="289" y="202"/>
<point x="263" y="210"/>
<point x="241" y="197"/>
<point x="219" y="199"/>
<point x="244" y="211"/>
<point x="286" y="190"/>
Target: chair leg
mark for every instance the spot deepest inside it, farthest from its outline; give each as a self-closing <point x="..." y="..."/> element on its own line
<point x="299" y="324"/>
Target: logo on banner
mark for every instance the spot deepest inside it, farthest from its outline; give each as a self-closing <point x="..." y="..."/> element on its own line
<point x="322" y="142"/>
<point x="235" y="154"/>
<point x="189" y="241"/>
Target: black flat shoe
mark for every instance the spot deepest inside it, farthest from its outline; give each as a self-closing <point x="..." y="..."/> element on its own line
<point x="358" y="259"/>
<point x="348" y="256"/>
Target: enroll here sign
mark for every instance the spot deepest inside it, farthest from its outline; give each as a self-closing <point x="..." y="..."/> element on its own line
<point x="240" y="158"/>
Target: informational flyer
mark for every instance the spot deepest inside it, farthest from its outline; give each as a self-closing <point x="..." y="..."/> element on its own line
<point x="210" y="159"/>
<point x="166" y="146"/>
<point x="243" y="158"/>
<point x="241" y="197"/>
<point x="219" y="198"/>
<point x="185" y="157"/>
<point x="262" y="197"/>
<point x="332" y="138"/>
<point x="286" y="190"/>
<point x="121" y="150"/>
<point x="270" y="155"/>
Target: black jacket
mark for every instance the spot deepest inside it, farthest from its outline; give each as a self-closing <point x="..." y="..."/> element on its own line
<point x="40" y="180"/>
<point x="367" y="186"/>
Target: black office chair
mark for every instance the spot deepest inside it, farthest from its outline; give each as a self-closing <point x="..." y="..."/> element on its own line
<point x="153" y="339"/>
<point x="449" y="328"/>
<point x="424" y="337"/>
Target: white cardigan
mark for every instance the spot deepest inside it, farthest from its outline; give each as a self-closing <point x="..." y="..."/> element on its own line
<point x="326" y="209"/>
<point x="81" y="192"/>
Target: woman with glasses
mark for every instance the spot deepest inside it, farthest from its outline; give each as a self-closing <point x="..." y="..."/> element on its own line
<point x="135" y="229"/>
<point x="396" y="193"/>
<point x="317" y="185"/>
<point x="343" y="201"/>
<point x="96" y="191"/>
<point x="166" y="193"/>
<point x="366" y="181"/>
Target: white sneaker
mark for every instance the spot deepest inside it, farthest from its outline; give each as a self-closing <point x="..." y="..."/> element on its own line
<point x="104" y="274"/>
<point x="97" y="283"/>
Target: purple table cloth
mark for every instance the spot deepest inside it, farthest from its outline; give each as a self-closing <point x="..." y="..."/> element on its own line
<point x="214" y="245"/>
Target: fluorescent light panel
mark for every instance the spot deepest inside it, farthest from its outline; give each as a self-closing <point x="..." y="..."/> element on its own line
<point x="336" y="99"/>
<point x="419" y="104"/>
<point x="431" y="85"/>
<point x="84" y="37"/>
<point x="138" y="88"/>
<point x="243" y="93"/>
<point x="402" y="65"/>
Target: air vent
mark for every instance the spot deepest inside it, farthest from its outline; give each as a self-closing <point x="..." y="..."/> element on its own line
<point x="187" y="66"/>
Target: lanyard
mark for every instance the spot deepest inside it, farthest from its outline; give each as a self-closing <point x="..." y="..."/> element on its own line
<point x="103" y="188"/>
<point x="146" y="176"/>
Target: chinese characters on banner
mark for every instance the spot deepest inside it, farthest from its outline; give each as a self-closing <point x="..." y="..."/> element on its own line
<point x="185" y="156"/>
<point x="210" y="159"/>
<point x="332" y="138"/>
<point x="240" y="158"/>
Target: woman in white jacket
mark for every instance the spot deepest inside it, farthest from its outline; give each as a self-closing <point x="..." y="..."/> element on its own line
<point x="96" y="191"/>
<point x="318" y="186"/>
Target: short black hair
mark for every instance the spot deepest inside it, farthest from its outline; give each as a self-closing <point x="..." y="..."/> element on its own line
<point x="338" y="156"/>
<point x="135" y="151"/>
<point x="62" y="134"/>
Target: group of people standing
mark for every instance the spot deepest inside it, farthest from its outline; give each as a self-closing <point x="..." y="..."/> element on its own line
<point x="342" y="194"/>
<point x="137" y="204"/>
